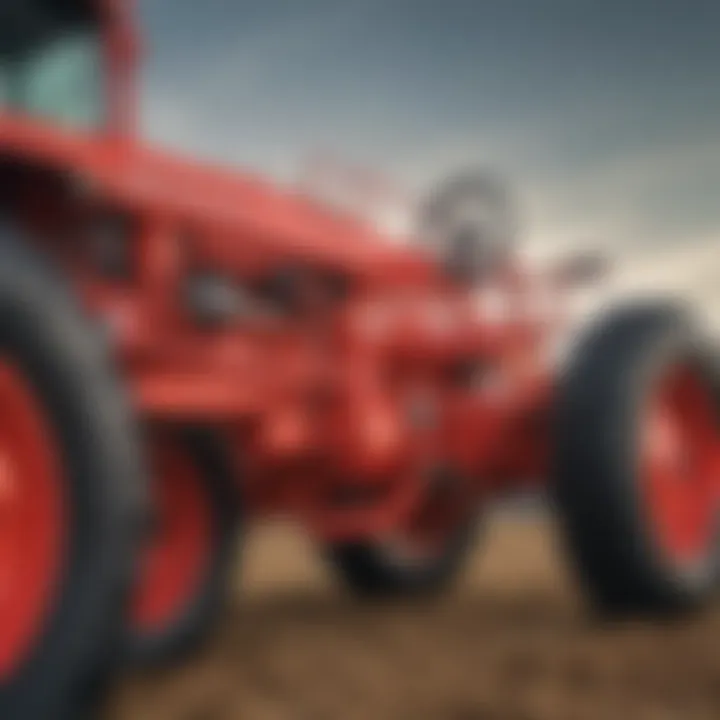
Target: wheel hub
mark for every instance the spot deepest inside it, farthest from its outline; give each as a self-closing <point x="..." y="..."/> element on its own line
<point x="681" y="460"/>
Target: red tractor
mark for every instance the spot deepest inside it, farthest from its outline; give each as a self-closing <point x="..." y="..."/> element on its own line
<point x="184" y="350"/>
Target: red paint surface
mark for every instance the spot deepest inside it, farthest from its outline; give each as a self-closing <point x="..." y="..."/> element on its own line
<point x="32" y="519"/>
<point x="681" y="466"/>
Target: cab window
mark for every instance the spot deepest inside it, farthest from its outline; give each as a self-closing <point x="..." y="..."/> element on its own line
<point x="62" y="81"/>
<point x="52" y="69"/>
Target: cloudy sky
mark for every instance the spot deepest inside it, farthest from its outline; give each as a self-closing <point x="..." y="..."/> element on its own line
<point x="606" y="113"/>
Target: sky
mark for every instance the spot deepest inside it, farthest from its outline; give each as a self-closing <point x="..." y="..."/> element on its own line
<point x="605" y="114"/>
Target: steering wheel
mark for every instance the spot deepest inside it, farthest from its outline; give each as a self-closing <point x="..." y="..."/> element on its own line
<point x="470" y="224"/>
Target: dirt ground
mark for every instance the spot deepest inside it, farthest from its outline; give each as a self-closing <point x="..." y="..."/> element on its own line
<point x="512" y="642"/>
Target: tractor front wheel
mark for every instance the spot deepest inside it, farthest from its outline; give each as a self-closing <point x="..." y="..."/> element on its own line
<point x="424" y="555"/>
<point x="637" y="476"/>
<point x="186" y="571"/>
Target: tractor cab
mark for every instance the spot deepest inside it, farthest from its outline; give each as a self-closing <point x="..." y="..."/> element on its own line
<point x="64" y="62"/>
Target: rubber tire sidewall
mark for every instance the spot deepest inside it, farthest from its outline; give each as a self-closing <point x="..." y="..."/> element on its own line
<point x="62" y="356"/>
<point x="369" y="571"/>
<point x="596" y="475"/>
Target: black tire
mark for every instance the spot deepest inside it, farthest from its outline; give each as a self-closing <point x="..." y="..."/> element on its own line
<point x="59" y="354"/>
<point x="597" y="482"/>
<point x="372" y="569"/>
<point x="193" y="622"/>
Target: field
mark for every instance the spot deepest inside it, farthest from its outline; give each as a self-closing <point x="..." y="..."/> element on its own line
<point x="512" y="642"/>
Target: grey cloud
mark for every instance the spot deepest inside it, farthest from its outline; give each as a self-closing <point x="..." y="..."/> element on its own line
<point x="607" y="114"/>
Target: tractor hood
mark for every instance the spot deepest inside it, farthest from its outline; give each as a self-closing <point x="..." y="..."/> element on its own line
<point x="236" y="206"/>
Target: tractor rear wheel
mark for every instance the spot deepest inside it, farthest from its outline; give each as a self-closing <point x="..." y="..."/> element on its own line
<point x="71" y="498"/>
<point x="188" y="564"/>
<point x="637" y="476"/>
<point x="425" y="555"/>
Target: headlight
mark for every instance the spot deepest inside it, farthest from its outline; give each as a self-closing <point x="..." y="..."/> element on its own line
<point x="216" y="300"/>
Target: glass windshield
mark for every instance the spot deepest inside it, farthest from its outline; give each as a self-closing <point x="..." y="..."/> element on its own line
<point x="60" y="80"/>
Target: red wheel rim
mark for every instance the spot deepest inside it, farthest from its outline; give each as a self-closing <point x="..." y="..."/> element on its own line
<point x="176" y="562"/>
<point x="681" y="466"/>
<point x="32" y="519"/>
